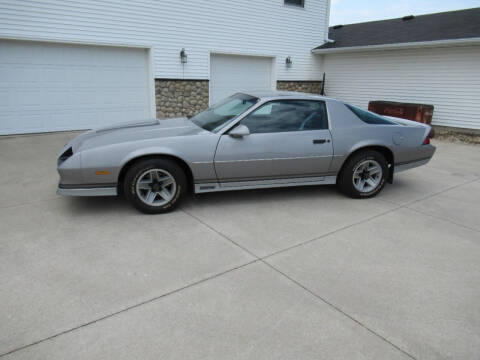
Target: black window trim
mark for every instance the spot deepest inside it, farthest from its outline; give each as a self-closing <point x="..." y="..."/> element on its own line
<point x="287" y="3"/>
<point x="276" y="100"/>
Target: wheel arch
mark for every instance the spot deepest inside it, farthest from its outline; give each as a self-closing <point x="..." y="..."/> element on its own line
<point x="182" y="163"/>
<point x="384" y="150"/>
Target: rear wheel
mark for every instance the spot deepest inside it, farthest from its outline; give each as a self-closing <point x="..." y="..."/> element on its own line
<point x="363" y="175"/>
<point x="155" y="186"/>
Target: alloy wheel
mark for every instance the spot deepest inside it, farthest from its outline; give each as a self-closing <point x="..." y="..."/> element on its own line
<point x="367" y="175"/>
<point x="156" y="187"/>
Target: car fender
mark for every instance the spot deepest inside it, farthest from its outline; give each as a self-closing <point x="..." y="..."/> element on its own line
<point x="200" y="170"/>
<point x="343" y="148"/>
<point x="149" y="151"/>
<point x="152" y="151"/>
<point x="369" y="143"/>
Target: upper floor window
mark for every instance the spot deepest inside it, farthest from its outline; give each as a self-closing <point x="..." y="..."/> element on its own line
<point x="300" y="3"/>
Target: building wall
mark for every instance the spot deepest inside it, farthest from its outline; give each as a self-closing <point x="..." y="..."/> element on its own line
<point x="187" y="97"/>
<point x="263" y="27"/>
<point x="448" y="78"/>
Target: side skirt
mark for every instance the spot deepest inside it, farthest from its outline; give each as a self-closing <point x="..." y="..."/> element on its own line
<point x="263" y="184"/>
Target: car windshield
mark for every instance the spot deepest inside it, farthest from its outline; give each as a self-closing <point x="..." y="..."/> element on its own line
<point x="219" y="114"/>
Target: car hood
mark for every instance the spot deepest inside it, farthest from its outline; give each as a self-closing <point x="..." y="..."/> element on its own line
<point x="135" y="131"/>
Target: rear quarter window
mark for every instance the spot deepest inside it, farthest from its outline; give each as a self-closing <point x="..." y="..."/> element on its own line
<point x="369" y="117"/>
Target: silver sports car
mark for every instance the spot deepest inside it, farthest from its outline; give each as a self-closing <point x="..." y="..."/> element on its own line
<point x="247" y="141"/>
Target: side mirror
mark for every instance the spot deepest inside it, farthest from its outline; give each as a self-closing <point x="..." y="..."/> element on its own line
<point x="239" y="131"/>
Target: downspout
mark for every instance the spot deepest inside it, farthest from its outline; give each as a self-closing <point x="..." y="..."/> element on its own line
<point x="326" y="40"/>
<point x="327" y="23"/>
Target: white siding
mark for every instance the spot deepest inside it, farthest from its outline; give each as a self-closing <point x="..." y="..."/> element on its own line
<point x="261" y="27"/>
<point x="448" y="78"/>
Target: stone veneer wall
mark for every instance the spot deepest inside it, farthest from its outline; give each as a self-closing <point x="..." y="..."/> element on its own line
<point x="175" y="97"/>
<point x="314" y="87"/>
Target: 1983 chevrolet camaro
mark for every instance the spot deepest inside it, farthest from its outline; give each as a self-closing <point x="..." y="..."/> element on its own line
<point x="247" y="141"/>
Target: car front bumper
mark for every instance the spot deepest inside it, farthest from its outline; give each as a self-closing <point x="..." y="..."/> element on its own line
<point x="86" y="191"/>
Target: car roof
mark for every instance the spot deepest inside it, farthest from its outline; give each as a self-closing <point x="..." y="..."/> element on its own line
<point x="273" y="94"/>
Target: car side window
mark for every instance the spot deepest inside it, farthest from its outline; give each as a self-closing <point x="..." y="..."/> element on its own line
<point x="287" y="115"/>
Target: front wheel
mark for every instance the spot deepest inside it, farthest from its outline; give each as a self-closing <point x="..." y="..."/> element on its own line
<point x="363" y="175"/>
<point x="155" y="186"/>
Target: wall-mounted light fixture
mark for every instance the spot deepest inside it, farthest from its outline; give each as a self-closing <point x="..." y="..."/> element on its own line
<point x="183" y="56"/>
<point x="288" y="62"/>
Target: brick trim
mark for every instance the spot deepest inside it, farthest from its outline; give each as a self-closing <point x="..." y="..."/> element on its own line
<point x="308" y="86"/>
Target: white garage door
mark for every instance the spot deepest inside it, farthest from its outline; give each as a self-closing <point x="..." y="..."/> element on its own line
<point x="230" y="74"/>
<point x="52" y="87"/>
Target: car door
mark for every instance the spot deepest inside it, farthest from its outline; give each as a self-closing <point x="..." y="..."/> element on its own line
<point x="287" y="139"/>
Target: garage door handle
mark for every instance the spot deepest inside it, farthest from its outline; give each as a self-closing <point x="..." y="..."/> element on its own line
<point x="319" y="141"/>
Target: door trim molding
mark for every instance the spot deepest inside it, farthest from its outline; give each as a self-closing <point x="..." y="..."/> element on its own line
<point x="272" y="159"/>
<point x="264" y="184"/>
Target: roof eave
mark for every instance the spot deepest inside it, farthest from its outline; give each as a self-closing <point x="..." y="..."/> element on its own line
<point x="449" y="42"/>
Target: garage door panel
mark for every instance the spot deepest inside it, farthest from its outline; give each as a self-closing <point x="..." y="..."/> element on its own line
<point x="82" y="75"/>
<point x="230" y="74"/>
<point x="59" y="119"/>
<point x="52" y="74"/>
<point x="52" y="87"/>
<point x="31" y="121"/>
<point x="13" y="73"/>
<point x="4" y="98"/>
<point x="7" y="121"/>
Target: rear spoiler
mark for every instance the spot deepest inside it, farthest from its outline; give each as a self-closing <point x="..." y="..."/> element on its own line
<point x="405" y="122"/>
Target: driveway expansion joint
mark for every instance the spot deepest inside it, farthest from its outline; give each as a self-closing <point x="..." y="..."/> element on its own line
<point x="333" y="306"/>
<point x="221" y="234"/>
<point x="442" y="218"/>
<point x="298" y="284"/>
<point x="128" y="308"/>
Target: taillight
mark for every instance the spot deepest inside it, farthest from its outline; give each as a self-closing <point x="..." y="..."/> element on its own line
<point x="429" y="136"/>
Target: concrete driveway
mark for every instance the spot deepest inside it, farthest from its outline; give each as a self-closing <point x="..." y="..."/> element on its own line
<point x="274" y="274"/>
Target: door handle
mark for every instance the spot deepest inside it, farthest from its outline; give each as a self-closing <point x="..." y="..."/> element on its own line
<point x="320" y="141"/>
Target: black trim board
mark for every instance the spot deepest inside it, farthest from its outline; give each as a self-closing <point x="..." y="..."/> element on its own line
<point x="86" y="186"/>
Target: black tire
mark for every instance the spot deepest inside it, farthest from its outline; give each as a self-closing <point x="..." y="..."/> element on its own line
<point x="135" y="173"/>
<point x="345" y="180"/>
